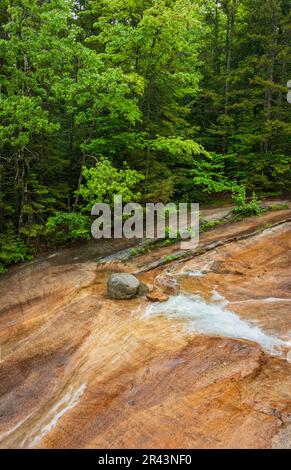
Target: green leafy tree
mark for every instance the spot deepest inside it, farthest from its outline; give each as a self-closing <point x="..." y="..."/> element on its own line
<point x="12" y="250"/>
<point x="104" y="181"/>
<point x="158" y="42"/>
<point x="63" y="227"/>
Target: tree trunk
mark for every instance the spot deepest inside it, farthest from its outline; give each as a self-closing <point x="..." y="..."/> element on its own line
<point x="24" y="190"/>
<point x="270" y="77"/>
<point x="148" y="118"/>
<point x="216" y="41"/>
<point x="229" y="53"/>
<point x="76" y="202"/>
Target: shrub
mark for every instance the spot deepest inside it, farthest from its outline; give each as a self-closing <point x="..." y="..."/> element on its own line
<point x="104" y="181"/>
<point x="244" y="208"/>
<point x="12" y="250"/>
<point x="65" y="226"/>
<point x="279" y="206"/>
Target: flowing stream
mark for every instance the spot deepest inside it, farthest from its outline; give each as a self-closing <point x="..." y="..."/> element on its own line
<point x="206" y="368"/>
<point x="215" y="319"/>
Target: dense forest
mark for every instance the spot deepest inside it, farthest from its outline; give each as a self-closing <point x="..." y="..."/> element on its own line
<point x="157" y="100"/>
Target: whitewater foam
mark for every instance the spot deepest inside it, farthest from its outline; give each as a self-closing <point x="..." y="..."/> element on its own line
<point x="215" y="319"/>
<point x="67" y="402"/>
<point x="198" y="273"/>
<point x="268" y="300"/>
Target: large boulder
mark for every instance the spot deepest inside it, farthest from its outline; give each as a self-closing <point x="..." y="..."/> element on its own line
<point x="122" y="286"/>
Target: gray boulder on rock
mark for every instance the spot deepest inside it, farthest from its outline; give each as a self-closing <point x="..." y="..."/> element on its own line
<point x="122" y="286"/>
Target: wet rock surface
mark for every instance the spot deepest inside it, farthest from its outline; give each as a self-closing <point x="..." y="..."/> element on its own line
<point x="80" y="370"/>
<point x="122" y="286"/>
<point x="157" y="295"/>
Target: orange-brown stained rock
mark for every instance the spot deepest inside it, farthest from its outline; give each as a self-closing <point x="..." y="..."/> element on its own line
<point x="80" y="370"/>
<point x="157" y="295"/>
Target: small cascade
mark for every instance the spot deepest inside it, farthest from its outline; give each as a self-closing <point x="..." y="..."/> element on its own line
<point x="215" y="319"/>
<point x="66" y="403"/>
